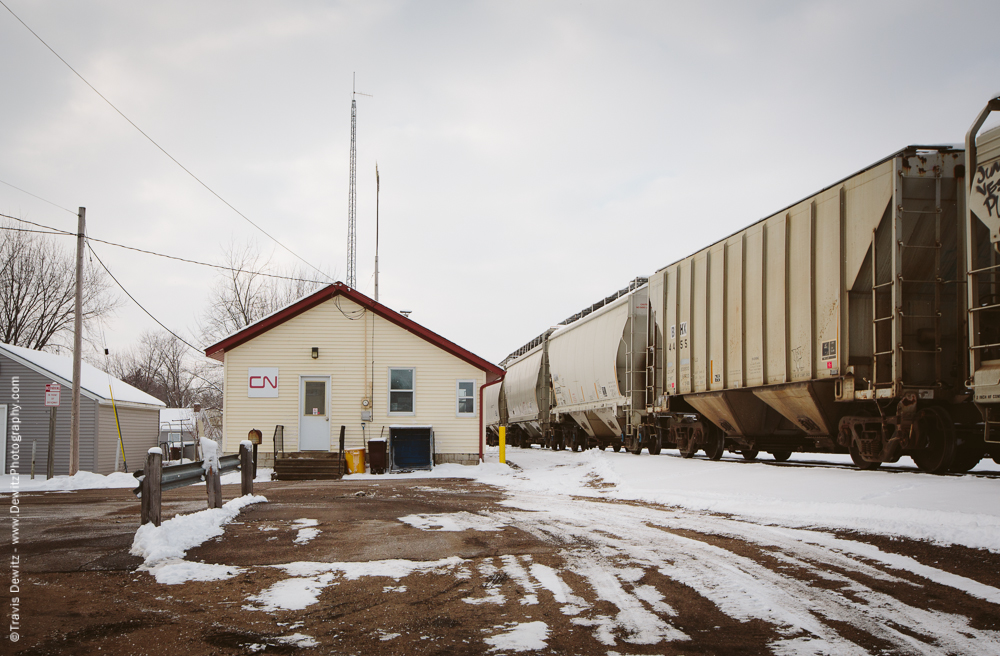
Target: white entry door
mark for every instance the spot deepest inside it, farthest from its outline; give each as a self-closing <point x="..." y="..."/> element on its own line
<point x="314" y="413"/>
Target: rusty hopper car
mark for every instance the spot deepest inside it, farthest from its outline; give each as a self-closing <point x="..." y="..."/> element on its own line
<point x="836" y="324"/>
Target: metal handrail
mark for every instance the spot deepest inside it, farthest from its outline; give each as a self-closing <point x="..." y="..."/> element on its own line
<point x="989" y="268"/>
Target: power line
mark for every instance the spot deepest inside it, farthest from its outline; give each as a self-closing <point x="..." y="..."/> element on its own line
<point x="40" y="232"/>
<point x="58" y="232"/>
<point x="152" y="141"/>
<point x="33" y="195"/>
<point x="192" y="347"/>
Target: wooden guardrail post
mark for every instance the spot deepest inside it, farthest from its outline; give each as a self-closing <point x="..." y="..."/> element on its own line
<point x="246" y="467"/>
<point x="151" y="487"/>
<point x="213" y="481"/>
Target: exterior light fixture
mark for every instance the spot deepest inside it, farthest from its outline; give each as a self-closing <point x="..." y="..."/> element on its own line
<point x="406" y="313"/>
<point x="315" y="352"/>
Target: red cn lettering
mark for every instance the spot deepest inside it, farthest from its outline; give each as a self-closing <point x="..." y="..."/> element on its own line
<point x="272" y="383"/>
<point x="253" y="385"/>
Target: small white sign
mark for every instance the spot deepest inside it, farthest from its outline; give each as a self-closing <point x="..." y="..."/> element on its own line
<point x="315" y="411"/>
<point x="52" y="391"/>
<point x="262" y="383"/>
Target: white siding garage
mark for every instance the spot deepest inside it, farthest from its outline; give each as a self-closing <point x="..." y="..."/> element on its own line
<point x="24" y="373"/>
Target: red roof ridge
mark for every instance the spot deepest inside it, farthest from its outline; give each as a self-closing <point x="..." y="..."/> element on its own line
<point x="217" y="351"/>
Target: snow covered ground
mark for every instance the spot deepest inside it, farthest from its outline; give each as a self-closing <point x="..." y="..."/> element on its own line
<point x="760" y="541"/>
<point x="828" y="493"/>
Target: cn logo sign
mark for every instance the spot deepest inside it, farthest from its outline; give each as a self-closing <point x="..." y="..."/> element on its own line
<point x="262" y="382"/>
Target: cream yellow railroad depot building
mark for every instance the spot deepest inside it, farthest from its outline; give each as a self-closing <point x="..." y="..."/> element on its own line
<point x="338" y="358"/>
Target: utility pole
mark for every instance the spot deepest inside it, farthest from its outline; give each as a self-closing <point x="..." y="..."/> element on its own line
<point x="74" y="430"/>
<point x="376" y="231"/>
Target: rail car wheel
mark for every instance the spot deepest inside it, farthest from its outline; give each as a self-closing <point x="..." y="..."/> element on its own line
<point x="965" y="459"/>
<point x="859" y="461"/>
<point x="715" y="443"/>
<point x="617" y="446"/>
<point x="690" y="449"/>
<point x="655" y="444"/>
<point x="575" y="444"/>
<point x="934" y="425"/>
<point x="781" y="456"/>
<point x="634" y="444"/>
<point x="749" y="454"/>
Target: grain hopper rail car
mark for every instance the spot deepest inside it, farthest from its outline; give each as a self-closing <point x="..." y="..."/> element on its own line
<point x="864" y="319"/>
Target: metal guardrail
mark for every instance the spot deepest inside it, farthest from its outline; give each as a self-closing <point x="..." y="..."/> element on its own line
<point x="190" y="473"/>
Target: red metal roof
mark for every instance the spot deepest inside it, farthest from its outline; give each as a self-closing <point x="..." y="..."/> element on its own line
<point x="217" y="351"/>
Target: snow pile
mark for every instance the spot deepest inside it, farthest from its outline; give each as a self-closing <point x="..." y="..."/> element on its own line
<point x="210" y="455"/>
<point x="393" y="568"/>
<point x="90" y="481"/>
<point x="174" y="571"/>
<point x="310" y="578"/>
<point x="306" y="530"/>
<point x="178" y="534"/>
<point x="235" y="477"/>
<point x="460" y="521"/>
<point x="300" y="640"/>
<point x="80" y="481"/>
<point x="530" y="636"/>
<point x="290" y="594"/>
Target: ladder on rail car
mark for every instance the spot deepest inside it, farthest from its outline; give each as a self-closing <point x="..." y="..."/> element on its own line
<point x="900" y="215"/>
<point x="630" y="374"/>
<point x="985" y="286"/>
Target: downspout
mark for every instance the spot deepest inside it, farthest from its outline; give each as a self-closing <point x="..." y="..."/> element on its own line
<point x="481" y="388"/>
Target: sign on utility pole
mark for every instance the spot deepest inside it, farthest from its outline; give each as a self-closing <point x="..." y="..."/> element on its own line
<point x="52" y="392"/>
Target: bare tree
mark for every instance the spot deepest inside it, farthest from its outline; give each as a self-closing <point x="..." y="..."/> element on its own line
<point x="248" y="292"/>
<point x="159" y="365"/>
<point x="37" y="287"/>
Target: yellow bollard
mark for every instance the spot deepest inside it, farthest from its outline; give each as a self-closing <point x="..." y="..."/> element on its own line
<point x="503" y="445"/>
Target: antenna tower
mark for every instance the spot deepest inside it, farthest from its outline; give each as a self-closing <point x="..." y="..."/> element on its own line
<point x="352" y="200"/>
<point x="352" y="196"/>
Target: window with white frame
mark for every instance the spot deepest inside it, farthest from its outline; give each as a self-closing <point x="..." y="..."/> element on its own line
<point x="401" y="390"/>
<point x="466" y="398"/>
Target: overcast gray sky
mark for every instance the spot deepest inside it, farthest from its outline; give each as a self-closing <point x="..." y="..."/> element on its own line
<point x="534" y="156"/>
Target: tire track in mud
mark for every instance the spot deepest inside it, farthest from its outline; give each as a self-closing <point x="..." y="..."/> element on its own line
<point x="819" y="592"/>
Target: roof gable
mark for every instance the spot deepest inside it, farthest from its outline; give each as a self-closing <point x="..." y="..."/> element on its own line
<point x="217" y="351"/>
